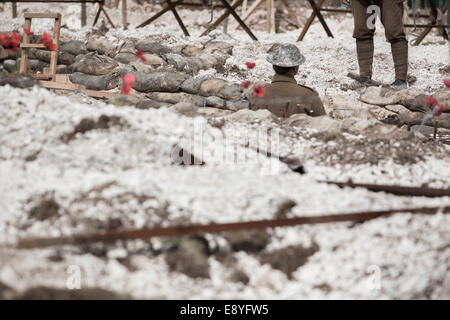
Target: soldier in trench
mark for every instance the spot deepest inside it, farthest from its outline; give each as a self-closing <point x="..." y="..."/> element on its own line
<point x="284" y="97"/>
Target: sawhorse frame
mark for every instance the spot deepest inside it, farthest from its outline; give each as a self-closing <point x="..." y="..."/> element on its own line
<point x="171" y="6"/>
<point x="317" y="9"/>
<point x="83" y="10"/>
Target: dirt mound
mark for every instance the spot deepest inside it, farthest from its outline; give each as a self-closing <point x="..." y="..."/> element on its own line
<point x="248" y="241"/>
<point x="45" y="209"/>
<point x="290" y="258"/>
<point x="189" y="257"/>
<point x="87" y="124"/>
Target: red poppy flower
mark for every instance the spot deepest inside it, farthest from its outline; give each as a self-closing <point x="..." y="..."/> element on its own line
<point x="127" y="82"/>
<point x="259" y="91"/>
<point x="45" y="37"/>
<point x="11" y="44"/>
<point x="245" y="84"/>
<point x="28" y="32"/>
<point x="250" y="65"/>
<point x="50" y="45"/>
<point x="447" y="82"/>
<point x="140" y="55"/>
<point x="430" y="100"/>
<point x="15" y="37"/>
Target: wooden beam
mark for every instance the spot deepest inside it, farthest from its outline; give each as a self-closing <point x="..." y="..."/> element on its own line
<point x="177" y="17"/>
<point x="247" y="14"/>
<point x="83" y="14"/>
<point x="309" y="22"/>
<point x="124" y="14"/>
<point x="219" y="20"/>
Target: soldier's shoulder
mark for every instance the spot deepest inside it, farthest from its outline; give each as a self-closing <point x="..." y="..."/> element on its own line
<point x="308" y="89"/>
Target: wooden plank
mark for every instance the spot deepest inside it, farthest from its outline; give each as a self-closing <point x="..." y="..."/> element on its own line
<point x="33" y="45"/>
<point x="42" y="15"/>
<point x="26" y="40"/>
<point x="41" y="76"/>
<point x="60" y="86"/>
<point x="54" y="54"/>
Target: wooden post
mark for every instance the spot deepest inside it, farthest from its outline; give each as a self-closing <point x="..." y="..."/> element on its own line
<point x="234" y="4"/>
<point x="83" y="14"/>
<point x="14" y="9"/>
<point x="292" y="14"/>
<point x="25" y="40"/>
<point x="309" y="22"/>
<point x="247" y="14"/>
<point x="116" y="3"/>
<point x="54" y="54"/>
<point x="124" y="14"/>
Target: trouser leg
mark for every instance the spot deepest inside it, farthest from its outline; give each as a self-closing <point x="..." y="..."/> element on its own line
<point x="363" y="33"/>
<point x="392" y="19"/>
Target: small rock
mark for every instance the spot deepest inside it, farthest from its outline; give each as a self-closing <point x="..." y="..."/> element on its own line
<point x="150" y="104"/>
<point x="17" y="80"/>
<point x="189" y="258"/>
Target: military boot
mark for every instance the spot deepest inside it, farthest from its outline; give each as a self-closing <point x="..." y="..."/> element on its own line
<point x="398" y="85"/>
<point x="361" y="82"/>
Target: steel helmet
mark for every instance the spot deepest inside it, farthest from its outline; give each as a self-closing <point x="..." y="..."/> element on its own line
<point x="285" y="55"/>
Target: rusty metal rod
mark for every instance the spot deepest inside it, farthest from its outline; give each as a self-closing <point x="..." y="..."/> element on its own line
<point x="395" y="189"/>
<point x="426" y="26"/>
<point x="147" y="233"/>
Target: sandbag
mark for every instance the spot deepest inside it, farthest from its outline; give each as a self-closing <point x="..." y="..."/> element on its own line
<point x="158" y="81"/>
<point x="94" y="64"/>
<point x="220" y="88"/>
<point x="74" y="47"/>
<point x="93" y="82"/>
<point x="152" y="47"/>
<point x="104" y="45"/>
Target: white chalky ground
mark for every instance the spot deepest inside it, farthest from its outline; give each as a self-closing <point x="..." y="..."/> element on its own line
<point x="403" y="256"/>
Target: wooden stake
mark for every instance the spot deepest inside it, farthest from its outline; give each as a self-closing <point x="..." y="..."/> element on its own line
<point x="292" y="14"/>
<point x="83" y="14"/>
<point x="25" y="40"/>
<point x="14" y="10"/>
<point x="124" y="14"/>
<point x="234" y="4"/>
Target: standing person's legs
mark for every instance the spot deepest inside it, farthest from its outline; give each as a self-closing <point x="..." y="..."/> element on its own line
<point x="364" y="37"/>
<point x="392" y="19"/>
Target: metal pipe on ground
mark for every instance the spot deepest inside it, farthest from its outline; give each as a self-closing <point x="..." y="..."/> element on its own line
<point x="147" y="233"/>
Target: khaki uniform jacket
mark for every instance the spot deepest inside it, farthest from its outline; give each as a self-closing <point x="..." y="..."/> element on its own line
<point x="284" y="97"/>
